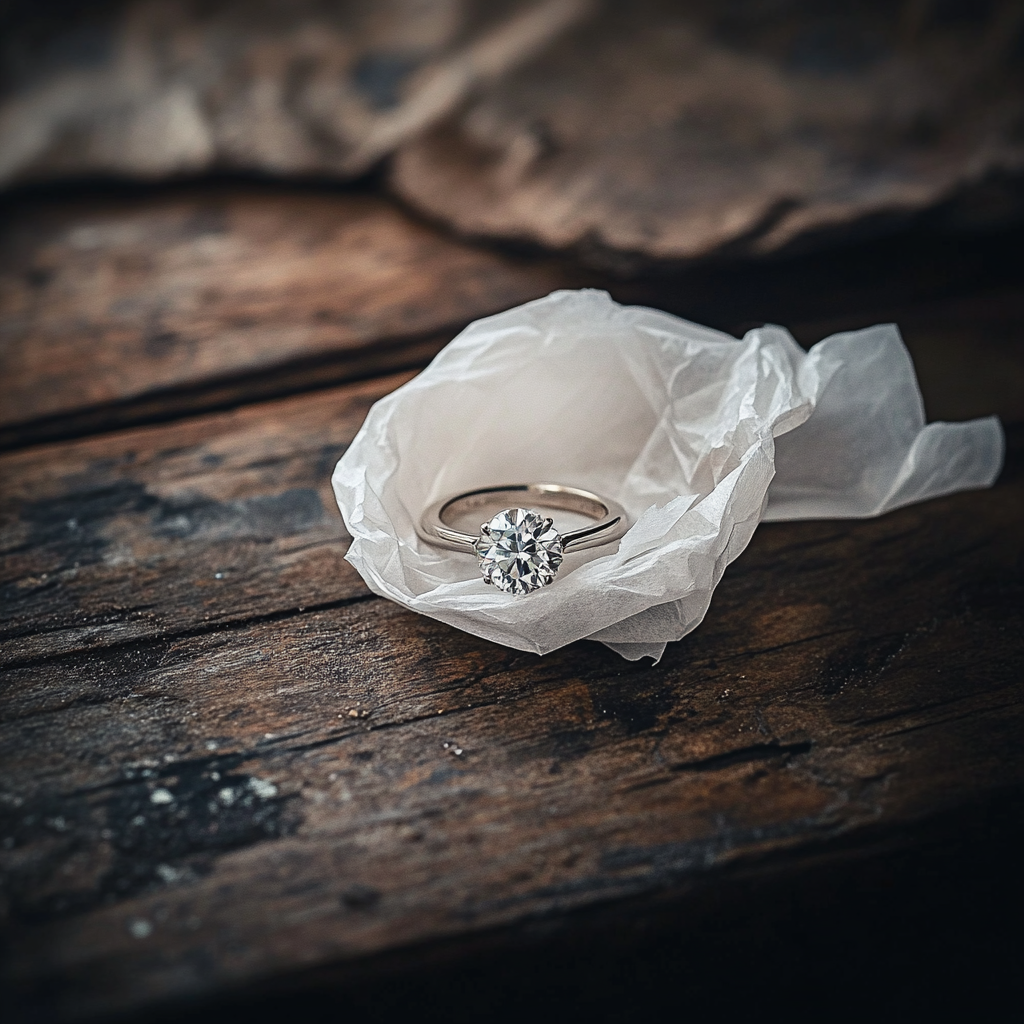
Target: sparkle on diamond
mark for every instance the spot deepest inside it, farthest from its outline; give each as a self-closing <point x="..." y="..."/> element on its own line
<point x="519" y="550"/>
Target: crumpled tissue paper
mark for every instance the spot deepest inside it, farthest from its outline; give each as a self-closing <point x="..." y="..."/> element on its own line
<point x="699" y="436"/>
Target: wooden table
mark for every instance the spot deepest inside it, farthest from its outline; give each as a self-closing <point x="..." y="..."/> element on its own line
<point x="232" y="778"/>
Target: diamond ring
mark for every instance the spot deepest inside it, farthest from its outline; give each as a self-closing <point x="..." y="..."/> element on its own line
<point x="519" y="550"/>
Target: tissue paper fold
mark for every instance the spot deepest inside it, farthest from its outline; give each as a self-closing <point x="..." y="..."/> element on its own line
<point x="698" y="435"/>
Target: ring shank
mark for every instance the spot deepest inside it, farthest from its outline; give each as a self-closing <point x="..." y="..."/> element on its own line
<point x="610" y="518"/>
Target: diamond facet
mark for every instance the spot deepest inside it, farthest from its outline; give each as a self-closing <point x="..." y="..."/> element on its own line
<point x="520" y="551"/>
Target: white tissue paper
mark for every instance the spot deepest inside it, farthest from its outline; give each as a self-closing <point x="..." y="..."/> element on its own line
<point x="699" y="436"/>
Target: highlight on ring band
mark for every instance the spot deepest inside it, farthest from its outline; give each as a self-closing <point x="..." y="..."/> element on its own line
<point x="519" y="550"/>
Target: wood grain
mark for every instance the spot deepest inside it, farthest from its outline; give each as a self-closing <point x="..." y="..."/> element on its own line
<point x="135" y="299"/>
<point x="122" y="537"/>
<point x="225" y="761"/>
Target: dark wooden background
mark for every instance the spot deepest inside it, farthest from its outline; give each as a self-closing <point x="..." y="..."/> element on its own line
<point x="228" y="785"/>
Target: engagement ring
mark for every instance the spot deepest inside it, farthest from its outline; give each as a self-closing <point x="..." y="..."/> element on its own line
<point x="519" y="550"/>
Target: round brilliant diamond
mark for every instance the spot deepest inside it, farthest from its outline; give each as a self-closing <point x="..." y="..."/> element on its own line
<point x="520" y="551"/>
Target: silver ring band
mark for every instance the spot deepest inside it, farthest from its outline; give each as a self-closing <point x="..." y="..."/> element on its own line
<point x="519" y="550"/>
<point x="610" y="516"/>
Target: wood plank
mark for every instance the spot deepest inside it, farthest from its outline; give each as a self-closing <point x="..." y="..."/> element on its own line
<point x="107" y="301"/>
<point x="126" y="309"/>
<point x="212" y="781"/>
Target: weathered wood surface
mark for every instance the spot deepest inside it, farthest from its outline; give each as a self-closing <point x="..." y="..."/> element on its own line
<point x="135" y="306"/>
<point x="125" y="541"/>
<point x="224" y="760"/>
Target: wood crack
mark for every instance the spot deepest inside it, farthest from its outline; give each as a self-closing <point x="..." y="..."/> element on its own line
<point x="158" y="639"/>
<point x="755" y="752"/>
